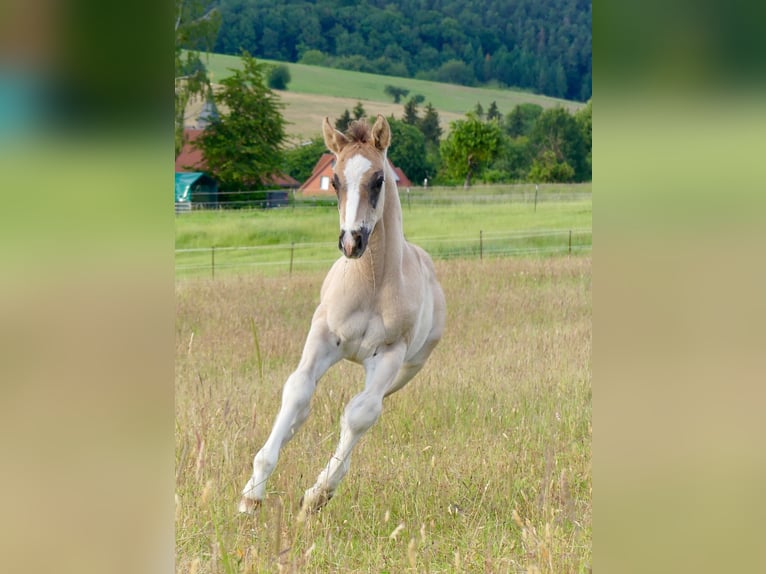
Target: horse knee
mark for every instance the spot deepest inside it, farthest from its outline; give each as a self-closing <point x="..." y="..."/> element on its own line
<point x="362" y="412"/>
<point x="297" y="393"/>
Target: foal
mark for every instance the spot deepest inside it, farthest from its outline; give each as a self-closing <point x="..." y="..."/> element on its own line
<point x="380" y="306"/>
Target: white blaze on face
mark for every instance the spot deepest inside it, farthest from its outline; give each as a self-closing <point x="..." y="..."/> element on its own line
<point x="354" y="170"/>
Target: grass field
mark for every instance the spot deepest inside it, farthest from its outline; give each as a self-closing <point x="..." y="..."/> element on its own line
<point x="437" y="221"/>
<point x="481" y="464"/>
<point x="315" y="92"/>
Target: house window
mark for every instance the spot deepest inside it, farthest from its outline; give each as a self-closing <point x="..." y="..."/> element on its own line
<point x="324" y="183"/>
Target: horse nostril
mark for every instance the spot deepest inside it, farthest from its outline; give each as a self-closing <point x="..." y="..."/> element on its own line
<point x="358" y="240"/>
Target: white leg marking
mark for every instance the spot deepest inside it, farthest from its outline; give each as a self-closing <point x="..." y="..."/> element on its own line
<point x="319" y="354"/>
<point x="354" y="170"/>
<point x="360" y="414"/>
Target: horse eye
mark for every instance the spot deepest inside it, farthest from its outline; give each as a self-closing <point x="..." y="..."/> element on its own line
<point x="375" y="191"/>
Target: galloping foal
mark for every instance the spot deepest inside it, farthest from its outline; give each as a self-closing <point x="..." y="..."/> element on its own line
<point x="380" y="306"/>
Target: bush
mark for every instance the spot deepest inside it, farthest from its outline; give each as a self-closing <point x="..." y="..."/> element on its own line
<point x="278" y="77"/>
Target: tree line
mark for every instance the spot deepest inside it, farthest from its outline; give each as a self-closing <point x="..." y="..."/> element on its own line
<point x="245" y="148"/>
<point x="538" y="45"/>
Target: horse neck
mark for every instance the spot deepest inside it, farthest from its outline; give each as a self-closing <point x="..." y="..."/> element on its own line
<point x="387" y="240"/>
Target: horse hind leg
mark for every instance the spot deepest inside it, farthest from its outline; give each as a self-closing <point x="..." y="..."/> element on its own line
<point x="360" y="414"/>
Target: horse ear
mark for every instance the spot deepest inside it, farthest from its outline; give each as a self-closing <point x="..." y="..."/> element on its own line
<point x="333" y="139"/>
<point x="381" y="134"/>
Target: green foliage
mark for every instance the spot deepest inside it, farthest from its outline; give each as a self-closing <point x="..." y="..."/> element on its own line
<point x="541" y="45"/>
<point x="493" y="113"/>
<point x="343" y="121"/>
<point x="513" y="161"/>
<point x="300" y="160"/>
<point x="584" y="118"/>
<point x="408" y="149"/>
<point x="197" y="24"/>
<point x="455" y="72"/>
<point x="411" y="112"/>
<point x="359" y="111"/>
<point x="522" y="119"/>
<point x="547" y="168"/>
<point x="470" y="147"/>
<point x="315" y="58"/>
<point x="557" y="131"/>
<point x="429" y="125"/>
<point x="396" y="92"/>
<point x="244" y="148"/>
<point x="278" y="77"/>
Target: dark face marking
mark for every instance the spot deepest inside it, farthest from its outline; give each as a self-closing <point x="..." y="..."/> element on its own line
<point x="375" y="186"/>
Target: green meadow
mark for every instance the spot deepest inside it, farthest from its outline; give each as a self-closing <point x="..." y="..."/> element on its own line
<point x="267" y="239"/>
<point x="315" y="92"/>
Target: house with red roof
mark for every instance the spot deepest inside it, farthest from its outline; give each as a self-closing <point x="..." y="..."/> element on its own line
<point x="318" y="183"/>
<point x="192" y="159"/>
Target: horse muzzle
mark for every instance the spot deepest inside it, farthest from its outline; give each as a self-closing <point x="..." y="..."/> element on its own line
<point x="353" y="243"/>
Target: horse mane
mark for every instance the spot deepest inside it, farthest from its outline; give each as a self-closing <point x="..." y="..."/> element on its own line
<point x="359" y="131"/>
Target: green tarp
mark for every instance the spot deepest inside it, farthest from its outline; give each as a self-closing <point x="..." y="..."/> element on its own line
<point x="197" y="187"/>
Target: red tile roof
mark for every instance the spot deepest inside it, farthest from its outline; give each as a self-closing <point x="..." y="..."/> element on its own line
<point x="192" y="159"/>
<point x="323" y="168"/>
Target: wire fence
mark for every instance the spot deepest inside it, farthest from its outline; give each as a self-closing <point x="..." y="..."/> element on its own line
<point x="289" y="199"/>
<point x="275" y="259"/>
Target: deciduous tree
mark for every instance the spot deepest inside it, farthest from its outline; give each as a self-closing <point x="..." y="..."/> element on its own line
<point x="471" y="145"/>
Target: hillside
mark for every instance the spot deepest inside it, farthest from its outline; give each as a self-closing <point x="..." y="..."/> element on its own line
<point x="315" y="92"/>
<point x="543" y="46"/>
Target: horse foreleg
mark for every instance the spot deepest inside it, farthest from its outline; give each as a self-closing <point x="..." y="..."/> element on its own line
<point x="319" y="354"/>
<point x="360" y="414"/>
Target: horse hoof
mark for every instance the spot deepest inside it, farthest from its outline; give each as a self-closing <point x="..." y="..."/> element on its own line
<point x="248" y="505"/>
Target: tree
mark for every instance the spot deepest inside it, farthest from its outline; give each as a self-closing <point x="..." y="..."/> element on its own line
<point x="556" y="130"/>
<point x="408" y="149"/>
<point x="196" y="27"/>
<point x="479" y="111"/>
<point x="584" y="119"/>
<point x="279" y="77"/>
<point x="429" y="125"/>
<point x="243" y="149"/>
<point x="493" y="113"/>
<point x="300" y="160"/>
<point x="547" y="168"/>
<point x="470" y="147"/>
<point x="396" y="92"/>
<point x="411" y="112"/>
<point x="359" y="111"/>
<point x="522" y="119"/>
<point x="343" y="121"/>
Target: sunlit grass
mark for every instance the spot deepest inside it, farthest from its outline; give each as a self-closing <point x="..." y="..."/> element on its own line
<point x="482" y="463"/>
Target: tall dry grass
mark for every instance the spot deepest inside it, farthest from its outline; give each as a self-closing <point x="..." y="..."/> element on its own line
<point x="481" y="464"/>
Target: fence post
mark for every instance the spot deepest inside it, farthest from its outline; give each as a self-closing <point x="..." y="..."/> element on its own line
<point x="481" y="244"/>
<point x="570" y="242"/>
<point x="292" y="251"/>
<point x="212" y="260"/>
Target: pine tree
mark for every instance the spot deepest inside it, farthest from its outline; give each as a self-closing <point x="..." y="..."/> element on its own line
<point x="493" y="113"/>
<point x="243" y="149"/>
<point x="411" y="112"/>
<point x="343" y="121"/>
<point x="429" y="125"/>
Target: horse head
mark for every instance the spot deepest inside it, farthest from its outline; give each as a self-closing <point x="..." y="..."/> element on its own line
<point x="359" y="180"/>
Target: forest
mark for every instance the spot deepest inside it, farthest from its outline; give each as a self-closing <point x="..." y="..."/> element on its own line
<point x="543" y="46"/>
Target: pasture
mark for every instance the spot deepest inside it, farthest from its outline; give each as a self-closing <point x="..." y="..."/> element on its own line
<point x="441" y="221"/>
<point x="315" y="92"/>
<point x="481" y="464"/>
